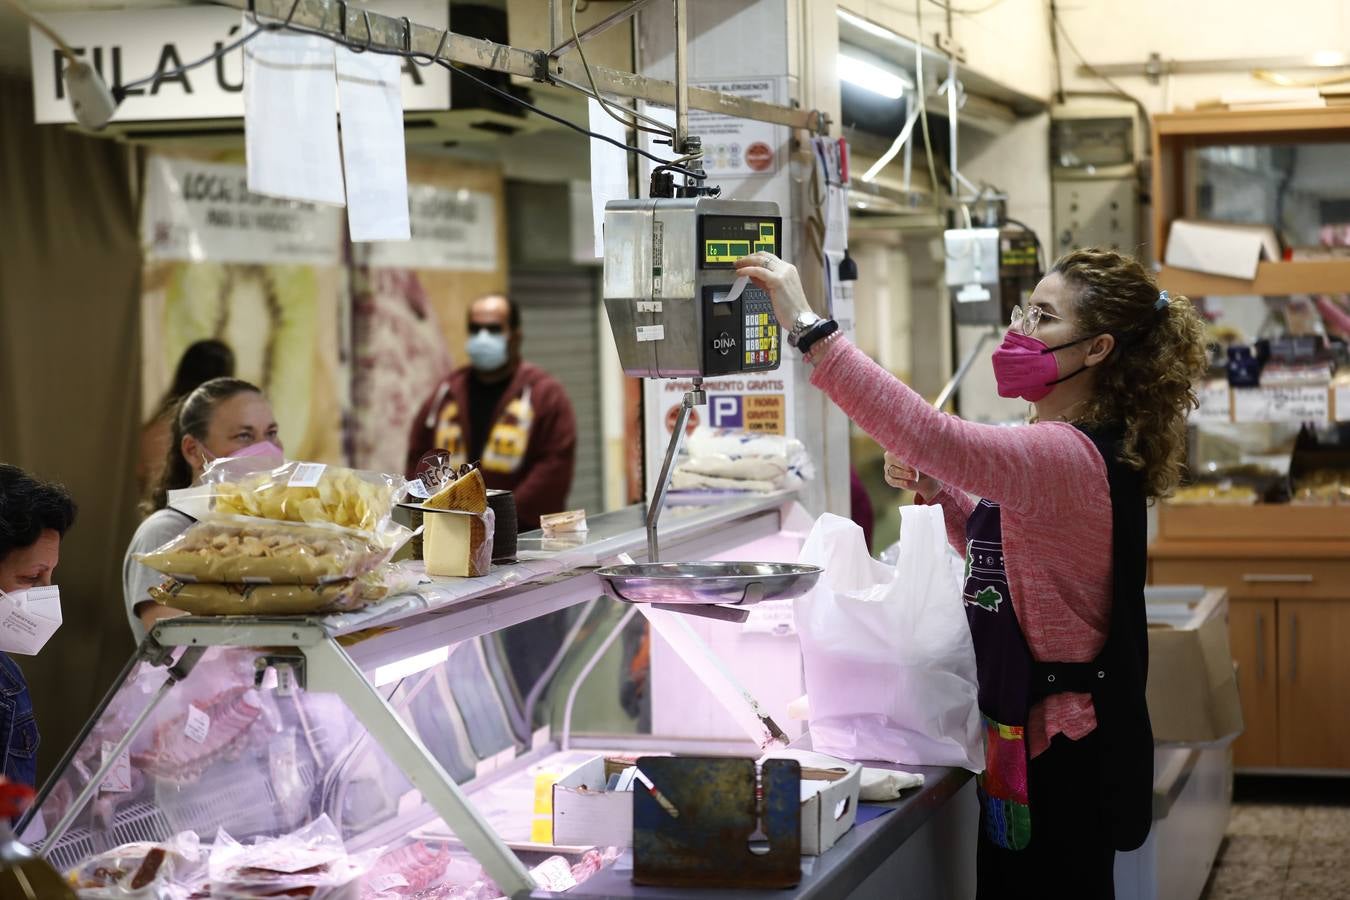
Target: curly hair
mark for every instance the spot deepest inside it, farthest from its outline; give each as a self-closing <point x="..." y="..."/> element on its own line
<point x="1146" y="386"/>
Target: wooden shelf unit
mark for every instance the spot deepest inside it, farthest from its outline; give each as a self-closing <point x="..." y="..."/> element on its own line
<point x="1174" y="134"/>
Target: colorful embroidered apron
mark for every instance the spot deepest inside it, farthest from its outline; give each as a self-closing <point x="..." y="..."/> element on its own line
<point x="1004" y="665"/>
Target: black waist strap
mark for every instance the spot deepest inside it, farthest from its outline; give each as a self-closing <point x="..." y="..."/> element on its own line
<point x="1066" y="678"/>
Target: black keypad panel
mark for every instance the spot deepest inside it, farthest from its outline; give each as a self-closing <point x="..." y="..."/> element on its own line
<point x="761" y="333"/>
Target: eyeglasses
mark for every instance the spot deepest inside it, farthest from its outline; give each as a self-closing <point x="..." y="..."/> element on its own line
<point x="1027" y="320"/>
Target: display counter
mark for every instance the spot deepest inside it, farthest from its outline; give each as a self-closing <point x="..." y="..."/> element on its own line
<point x="416" y="728"/>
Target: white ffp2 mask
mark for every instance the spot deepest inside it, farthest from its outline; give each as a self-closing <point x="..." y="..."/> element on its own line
<point x="29" y="618"/>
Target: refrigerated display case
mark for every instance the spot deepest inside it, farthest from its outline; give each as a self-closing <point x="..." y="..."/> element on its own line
<point x="404" y="739"/>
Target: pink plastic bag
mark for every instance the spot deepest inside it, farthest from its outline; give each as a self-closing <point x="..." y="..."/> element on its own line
<point x="890" y="666"/>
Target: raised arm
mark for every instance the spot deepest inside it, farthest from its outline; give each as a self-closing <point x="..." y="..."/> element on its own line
<point x="1034" y="469"/>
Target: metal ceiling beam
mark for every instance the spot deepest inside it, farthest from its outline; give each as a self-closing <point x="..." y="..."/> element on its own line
<point x="389" y="33"/>
<point x="1156" y="66"/>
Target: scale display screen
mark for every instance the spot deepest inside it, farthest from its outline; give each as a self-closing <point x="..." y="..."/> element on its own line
<point x="728" y="238"/>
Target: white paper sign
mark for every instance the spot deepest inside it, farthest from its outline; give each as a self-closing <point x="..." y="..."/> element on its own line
<point x="118" y="779"/>
<point x="1342" y="403"/>
<point x="739" y="148"/>
<point x="1214" y="399"/>
<point x="372" y="146"/>
<point x="127" y="45"/>
<point x="609" y="170"/>
<point x="203" y="212"/>
<point x="1282" y="404"/>
<point x="554" y="874"/>
<point x="647" y="333"/>
<point x="198" y="724"/>
<point x="28" y="619"/>
<point x="386" y="882"/>
<point x="290" y="118"/>
<point x="453" y="229"/>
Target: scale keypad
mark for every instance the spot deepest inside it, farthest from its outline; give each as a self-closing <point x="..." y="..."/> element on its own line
<point x="762" y="335"/>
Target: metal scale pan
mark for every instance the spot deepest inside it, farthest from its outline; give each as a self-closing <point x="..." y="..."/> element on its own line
<point x="719" y="583"/>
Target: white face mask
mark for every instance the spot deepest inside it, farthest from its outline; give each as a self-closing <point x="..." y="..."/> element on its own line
<point x="29" y="618"/>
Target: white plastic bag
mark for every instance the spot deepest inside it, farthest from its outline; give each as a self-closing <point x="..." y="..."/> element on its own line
<point x="890" y="666"/>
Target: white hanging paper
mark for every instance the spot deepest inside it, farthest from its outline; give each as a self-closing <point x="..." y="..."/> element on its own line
<point x="372" y="145"/>
<point x="290" y="118"/>
<point x="609" y="170"/>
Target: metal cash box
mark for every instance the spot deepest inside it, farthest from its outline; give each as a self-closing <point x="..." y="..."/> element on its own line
<point x="669" y="269"/>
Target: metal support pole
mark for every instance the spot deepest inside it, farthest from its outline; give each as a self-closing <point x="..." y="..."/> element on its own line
<point x="176" y="674"/>
<point x="693" y="398"/>
<point x="952" y="124"/>
<point x="600" y="27"/>
<point x="964" y="369"/>
<point x="330" y="669"/>
<point x="681" y="76"/>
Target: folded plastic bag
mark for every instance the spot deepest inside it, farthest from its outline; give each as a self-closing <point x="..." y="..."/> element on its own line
<point x="310" y="862"/>
<point x="889" y="661"/>
<point x="244" y="550"/>
<point x="145" y="870"/>
<point x="201" y="599"/>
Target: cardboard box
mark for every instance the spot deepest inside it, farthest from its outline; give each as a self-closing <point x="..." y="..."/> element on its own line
<point x="1192" y="685"/>
<point x="585" y="814"/>
<point x="1221" y="248"/>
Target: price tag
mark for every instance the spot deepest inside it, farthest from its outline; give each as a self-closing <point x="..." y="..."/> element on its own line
<point x="1342" y="410"/>
<point x="118" y="779"/>
<point x="554" y="874"/>
<point x="306" y="475"/>
<point x="198" y="725"/>
<point x="387" y="882"/>
<point x="418" y="489"/>
<point x="773" y="617"/>
<point x="651" y="333"/>
<point x="1215" y="403"/>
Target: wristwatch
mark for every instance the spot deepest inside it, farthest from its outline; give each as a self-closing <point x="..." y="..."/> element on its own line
<point x="815" y="334"/>
<point x="804" y="322"/>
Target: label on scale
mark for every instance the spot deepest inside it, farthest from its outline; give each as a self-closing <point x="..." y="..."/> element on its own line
<point x="649" y="306"/>
<point x="651" y="333"/>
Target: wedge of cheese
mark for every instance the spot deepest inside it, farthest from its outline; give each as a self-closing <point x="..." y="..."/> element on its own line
<point x="467" y="493"/>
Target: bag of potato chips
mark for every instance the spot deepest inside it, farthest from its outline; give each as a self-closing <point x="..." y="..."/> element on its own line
<point x="294" y="491"/>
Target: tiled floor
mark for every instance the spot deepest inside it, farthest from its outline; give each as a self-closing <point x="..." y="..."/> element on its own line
<point x="1278" y="852"/>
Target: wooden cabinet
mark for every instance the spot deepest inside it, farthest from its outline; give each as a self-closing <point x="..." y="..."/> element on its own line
<point x="1252" y="636"/>
<point x="1314" y="683"/>
<point x="1287" y="571"/>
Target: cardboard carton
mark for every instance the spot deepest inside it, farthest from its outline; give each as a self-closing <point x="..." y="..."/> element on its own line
<point x="1192" y="685"/>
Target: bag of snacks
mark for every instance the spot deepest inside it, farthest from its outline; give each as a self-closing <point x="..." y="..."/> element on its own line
<point x="271" y="599"/>
<point x="244" y="550"/>
<point x="312" y="493"/>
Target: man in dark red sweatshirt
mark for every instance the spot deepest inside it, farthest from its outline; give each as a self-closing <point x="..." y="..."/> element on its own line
<point x="510" y="417"/>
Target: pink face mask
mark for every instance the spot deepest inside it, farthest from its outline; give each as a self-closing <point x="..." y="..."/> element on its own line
<point x="1025" y="367"/>
<point x="258" y="448"/>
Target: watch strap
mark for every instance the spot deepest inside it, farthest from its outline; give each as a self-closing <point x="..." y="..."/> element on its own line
<point x="817" y="332"/>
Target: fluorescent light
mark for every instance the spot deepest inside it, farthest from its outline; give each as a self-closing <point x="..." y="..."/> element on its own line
<point x="391" y="672"/>
<point x="870" y="27"/>
<point x="872" y="77"/>
<point x="1329" y="58"/>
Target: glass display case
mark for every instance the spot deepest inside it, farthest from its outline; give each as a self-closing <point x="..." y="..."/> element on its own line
<point x="391" y="752"/>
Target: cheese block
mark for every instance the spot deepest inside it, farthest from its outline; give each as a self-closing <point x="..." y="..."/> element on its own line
<point x="467" y="493"/>
<point x="456" y="543"/>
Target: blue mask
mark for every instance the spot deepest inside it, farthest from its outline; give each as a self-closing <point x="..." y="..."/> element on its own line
<point x="487" y="351"/>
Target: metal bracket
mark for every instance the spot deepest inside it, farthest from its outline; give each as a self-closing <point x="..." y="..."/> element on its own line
<point x="289" y="668"/>
<point x="949" y="46"/>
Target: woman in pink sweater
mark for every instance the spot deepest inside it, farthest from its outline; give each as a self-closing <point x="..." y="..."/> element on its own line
<point x="1051" y="519"/>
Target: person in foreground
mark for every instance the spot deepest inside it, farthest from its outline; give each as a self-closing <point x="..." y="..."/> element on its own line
<point x="1054" y="538"/>
<point x="34" y="517"/>
<point x="221" y="417"/>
